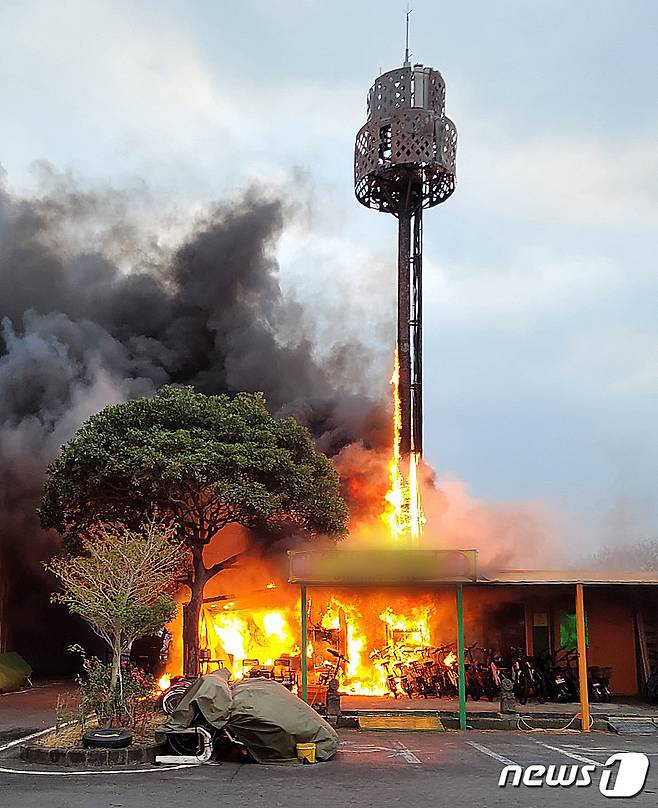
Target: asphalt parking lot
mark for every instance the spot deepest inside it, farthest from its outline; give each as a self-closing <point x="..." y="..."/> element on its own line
<point x="371" y="769"/>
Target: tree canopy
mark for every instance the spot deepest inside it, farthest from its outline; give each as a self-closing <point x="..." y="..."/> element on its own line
<point x="200" y="463"/>
<point x="205" y="461"/>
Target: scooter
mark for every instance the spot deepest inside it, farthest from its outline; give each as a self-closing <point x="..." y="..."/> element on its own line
<point x="597" y="683"/>
<point x="557" y="676"/>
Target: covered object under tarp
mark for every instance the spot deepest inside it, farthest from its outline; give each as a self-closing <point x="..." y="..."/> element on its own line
<point x="261" y="713"/>
<point x="14" y="672"/>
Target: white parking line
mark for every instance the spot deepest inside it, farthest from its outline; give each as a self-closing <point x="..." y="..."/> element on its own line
<point x="27" y="738"/>
<point x="398" y="750"/>
<point x="369" y="749"/>
<point x="490" y="753"/>
<point x="30" y="689"/>
<point x="573" y="755"/>
<point x="605" y="750"/>
<point x="406" y="753"/>
<point x="113" y="772"/>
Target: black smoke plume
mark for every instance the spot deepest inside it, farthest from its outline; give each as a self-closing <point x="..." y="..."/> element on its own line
<point x="95" y="310"/>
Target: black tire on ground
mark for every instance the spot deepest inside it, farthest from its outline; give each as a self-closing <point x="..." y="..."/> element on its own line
<point x="107" y="739"/>
<point x="183" y="743"/>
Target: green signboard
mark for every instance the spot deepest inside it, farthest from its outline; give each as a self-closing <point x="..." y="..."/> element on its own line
<point x="568" y="637"/>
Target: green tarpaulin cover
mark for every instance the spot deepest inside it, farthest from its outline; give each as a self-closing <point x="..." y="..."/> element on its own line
<point x="14" y="672"/>
<point x="261" y="713"/>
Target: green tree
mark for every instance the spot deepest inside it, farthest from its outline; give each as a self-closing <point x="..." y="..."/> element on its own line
<point x="202" y="462"/>
<point x="121" y="584"/>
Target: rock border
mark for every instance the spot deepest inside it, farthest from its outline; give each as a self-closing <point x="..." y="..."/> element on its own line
<point x="78" y="756"/>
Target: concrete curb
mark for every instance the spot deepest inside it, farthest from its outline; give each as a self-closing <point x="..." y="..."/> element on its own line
<point x="77" y="756"/>
<point x="349" y="720"/>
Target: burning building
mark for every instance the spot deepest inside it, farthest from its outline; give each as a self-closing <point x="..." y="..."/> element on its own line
<point x="409" y="640"/>
<point x="404" y="162"/>
<point x="79" y="332"/>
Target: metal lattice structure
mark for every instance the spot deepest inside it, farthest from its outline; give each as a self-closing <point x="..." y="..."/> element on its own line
<point x="404" y="161"/>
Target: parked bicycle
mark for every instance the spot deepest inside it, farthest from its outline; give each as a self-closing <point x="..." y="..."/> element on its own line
<point x="527" y="678"/>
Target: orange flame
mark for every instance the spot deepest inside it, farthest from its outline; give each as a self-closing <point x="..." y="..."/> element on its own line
<point x="256" y="634"/>
<point x="403" y="511"/>
<point x="363" y="639"/>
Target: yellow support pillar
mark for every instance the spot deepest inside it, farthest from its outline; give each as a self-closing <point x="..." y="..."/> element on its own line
<point x="582" y="658"/>
<point x="304" y="616"/>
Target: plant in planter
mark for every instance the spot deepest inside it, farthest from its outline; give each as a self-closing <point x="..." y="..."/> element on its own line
<point x="121" y="585"/>
<point x="132" y="703"/>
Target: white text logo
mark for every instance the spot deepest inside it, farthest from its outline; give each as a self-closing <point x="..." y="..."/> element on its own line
<point x="623" y="775"/>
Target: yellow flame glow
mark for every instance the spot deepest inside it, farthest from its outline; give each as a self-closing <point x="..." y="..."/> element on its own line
<point x="403" y="511"/>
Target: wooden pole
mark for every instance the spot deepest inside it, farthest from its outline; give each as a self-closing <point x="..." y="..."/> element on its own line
<point x="460" y="657"/>
<point x="304" y="646"/>
<point x="582" y="659"/>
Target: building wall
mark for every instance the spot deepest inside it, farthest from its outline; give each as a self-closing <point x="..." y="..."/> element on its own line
<point x="612" y="638"/>
<point x="610" y="617"/>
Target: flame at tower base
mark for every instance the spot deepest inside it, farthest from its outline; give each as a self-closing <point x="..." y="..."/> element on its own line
<point x="403" y="512"/>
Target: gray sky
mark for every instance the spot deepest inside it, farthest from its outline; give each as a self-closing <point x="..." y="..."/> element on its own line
<point x="541" y="297"/>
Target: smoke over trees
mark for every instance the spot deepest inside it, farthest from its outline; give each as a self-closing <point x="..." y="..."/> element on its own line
<point x="95" y="310"/>
<point x="638" y="555"/>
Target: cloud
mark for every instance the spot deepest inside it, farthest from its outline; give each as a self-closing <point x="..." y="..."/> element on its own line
<point x="540" y="280"/>
<point x="536" y="285"/>
<point x="588" y="178"/>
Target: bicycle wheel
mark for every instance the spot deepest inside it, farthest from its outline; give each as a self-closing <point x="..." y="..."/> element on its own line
<point x="173" y="697"/>
<point x="185" y="743"/>
<point x="474" y="687"/>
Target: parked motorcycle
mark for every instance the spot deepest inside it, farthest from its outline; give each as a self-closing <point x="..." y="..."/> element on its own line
<point x="558" y="674"/>
<point x="598" y="679"/>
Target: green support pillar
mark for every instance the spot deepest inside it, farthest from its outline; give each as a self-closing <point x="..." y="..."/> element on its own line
<point x="460" y="657"/>
<point x="304" y="644"/>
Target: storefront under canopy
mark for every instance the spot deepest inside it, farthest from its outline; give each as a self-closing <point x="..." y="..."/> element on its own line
<point x="610" y="617"/>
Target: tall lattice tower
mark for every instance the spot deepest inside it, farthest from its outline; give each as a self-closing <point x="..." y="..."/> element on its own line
<point x="404" y="161"/>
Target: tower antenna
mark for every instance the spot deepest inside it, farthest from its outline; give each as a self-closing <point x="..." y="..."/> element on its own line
<point x="404" y="163"/>
<point x="406" y="41"/>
